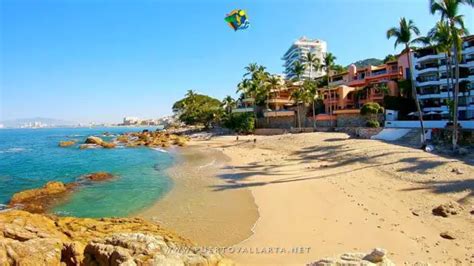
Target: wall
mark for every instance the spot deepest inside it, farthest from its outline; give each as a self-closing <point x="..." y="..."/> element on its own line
<point x="360" y="132"/>
<point x="276" y="122"/>
<point x="353" y="120"/>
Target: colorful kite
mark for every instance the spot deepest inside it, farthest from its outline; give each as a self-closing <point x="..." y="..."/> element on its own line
<point x="237" y="19"/>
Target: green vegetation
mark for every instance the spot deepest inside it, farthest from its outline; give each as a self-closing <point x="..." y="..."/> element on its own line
<point x="389" y="58"/>
<point x="197" y="109"/>
<point x="367" y="62"/>
<point x="371" y="110"/>
<point x="240" y="122"/>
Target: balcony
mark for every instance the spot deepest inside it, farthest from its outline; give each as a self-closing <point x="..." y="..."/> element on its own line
<point x="279" y="113"/>
<point x="243" y="110"/>
<point x="281" y="101"/>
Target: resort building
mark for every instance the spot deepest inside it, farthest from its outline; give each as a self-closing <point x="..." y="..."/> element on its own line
<point x="430" y="72"/>
<point x="350" y="90"/>
<point x="298" y="51"/>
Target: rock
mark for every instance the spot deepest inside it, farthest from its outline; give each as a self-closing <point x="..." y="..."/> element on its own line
<point x="450" y="208"/>
<point x="108" y="145"/>
<point x="377" y="255"/>
<point x="457" y="171"/>
<point x="34" y="239"/>
<point x="447" y="235"/>
<point x="89" y="146"/>
<point x="66" y="143"/>
<point x="94" y="140"/>
<point x="122" y="138"/>
<point x="99" y="176"/>
<point x="38" y="199"/>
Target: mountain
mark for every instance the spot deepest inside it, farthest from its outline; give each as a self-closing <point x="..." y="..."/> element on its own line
<point x="49" y="122"/>
<point x="368" y="61"/>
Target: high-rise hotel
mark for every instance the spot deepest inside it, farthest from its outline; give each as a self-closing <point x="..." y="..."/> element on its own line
<point x="298" y="51"/>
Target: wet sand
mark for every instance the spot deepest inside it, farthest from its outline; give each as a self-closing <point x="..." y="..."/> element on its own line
<point x="195" y="210"/>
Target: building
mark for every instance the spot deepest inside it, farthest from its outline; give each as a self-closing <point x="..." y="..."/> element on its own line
<point x="350" y="90"/>
<point x="298" y="51"/>
<point x="129" y="120"/>
<point x="430" y="73"/>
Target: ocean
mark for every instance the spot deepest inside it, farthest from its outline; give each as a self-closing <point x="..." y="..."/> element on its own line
<point x="31" y="157"/>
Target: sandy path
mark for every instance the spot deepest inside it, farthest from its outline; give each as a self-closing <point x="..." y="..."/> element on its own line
<point x="332" y="195"/>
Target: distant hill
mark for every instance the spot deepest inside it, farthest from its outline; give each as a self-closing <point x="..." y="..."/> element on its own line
<point x="368" y="61"/>
<point x="42" y="120"/>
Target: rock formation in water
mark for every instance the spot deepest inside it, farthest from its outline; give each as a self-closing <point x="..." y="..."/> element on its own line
<point x="66" y="143"/>
<point x="37" y="200"/>
<point x="34" y="239"/>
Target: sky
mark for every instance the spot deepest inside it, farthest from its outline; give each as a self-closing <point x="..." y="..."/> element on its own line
<point x="100" y="60"/>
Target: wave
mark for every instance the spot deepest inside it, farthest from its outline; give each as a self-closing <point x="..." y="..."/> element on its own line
<point x="209" y="164"/>
<point x="13" y="150"/>
<point x="160" y="150"/>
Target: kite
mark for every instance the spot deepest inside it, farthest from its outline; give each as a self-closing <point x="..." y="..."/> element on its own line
<point x="237" y="19"/>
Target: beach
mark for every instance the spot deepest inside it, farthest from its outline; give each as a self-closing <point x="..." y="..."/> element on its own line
<point x="323" y="194"/>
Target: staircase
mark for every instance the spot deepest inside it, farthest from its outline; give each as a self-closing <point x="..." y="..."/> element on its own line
<point x="411" y="139"/>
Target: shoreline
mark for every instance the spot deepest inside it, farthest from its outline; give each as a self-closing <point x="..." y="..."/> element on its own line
<point x="194" y="209"/>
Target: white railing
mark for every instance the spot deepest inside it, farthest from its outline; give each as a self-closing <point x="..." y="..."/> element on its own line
<point x="427" y="124"/>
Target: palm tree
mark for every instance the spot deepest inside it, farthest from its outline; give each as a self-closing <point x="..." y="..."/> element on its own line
<point x="298" y="96"/>
<point x="403" y="35"/>
<point x="298" y="70"/>
<point x="448" y="9"/>
<point x="273" y="85"/>
<point x="329" y="62"/>
<point x="228" y="103"/>
<point x="312" y="93"/>
<point x="313" y="62"/>
<point x="441" y="37"/>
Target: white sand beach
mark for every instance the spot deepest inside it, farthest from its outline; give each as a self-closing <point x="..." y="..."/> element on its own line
<point x="333" y="194"/>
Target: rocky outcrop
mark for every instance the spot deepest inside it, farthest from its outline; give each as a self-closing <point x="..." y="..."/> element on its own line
<point x="447" y="209"/>
<point x="37" y="200"/>
<point x="152" y="139"/>
<point x="376" y="257"/>
<point x="99" y="176"/>
<point x="99" y="142"/>
<point x="33" y="239"/>
<point x="66" y="143"/>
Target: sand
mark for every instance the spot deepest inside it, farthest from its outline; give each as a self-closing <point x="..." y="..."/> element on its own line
<point x="194" y="210"/>
<point x="322" y="194"/>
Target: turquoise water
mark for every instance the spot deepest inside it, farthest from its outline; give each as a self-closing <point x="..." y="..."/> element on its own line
<point x="31" y="157"/>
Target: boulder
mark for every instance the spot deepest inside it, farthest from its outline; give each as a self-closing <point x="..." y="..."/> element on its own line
<point x="88" y="146"/>
<point x="447" y="235"/>
<point x="34" y="239"/>
<point x="66" y="143"/>
<point x="376" y="257"/>
<point x="94" y="140"/>
<point x="99" y="176"/>
<point x="108" y="145"/>
<point x="447" y="209"/>
<point x="38" y="199"/>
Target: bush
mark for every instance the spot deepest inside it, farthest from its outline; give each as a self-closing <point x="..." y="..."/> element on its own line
<point x="240" y="122"/>
<point x="371" y="109"/>
<point x="373" y="123"/>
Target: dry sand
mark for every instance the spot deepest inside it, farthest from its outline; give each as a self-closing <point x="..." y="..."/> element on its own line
<point x="327" y="194"/>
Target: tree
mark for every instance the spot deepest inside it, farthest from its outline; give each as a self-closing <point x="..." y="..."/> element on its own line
<point x="371" y="110"/>
<point x="298" y="96"/>
<point x="273" y="84"/>
<point x="329" y="61"/>
<point x="228" y="103"/>
<point x="313" y="62"/>
<point x="197" y="109"/>
<point x="403" y="35"/>
<point x="311" y="92"/>
<point x="448" y="9"/>
<point x="388" y="58"/>
<point x="440" y="37"/>
<point x="298" y="70"/>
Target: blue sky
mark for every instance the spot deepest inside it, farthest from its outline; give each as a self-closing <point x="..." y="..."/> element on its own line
<point x="91" y="60"/>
